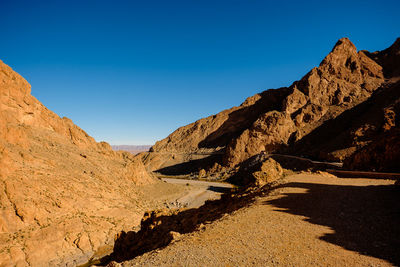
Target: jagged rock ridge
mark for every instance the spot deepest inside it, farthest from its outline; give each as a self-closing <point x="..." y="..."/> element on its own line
<point x="278" y="120"/>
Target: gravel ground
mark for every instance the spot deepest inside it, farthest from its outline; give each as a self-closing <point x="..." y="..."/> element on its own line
<point x="309" y="220"/>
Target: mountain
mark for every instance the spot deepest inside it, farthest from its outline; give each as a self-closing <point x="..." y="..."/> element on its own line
<point x="63" y="196"/>
<point x="131" y="148"/>
<point x="327" y="115"/>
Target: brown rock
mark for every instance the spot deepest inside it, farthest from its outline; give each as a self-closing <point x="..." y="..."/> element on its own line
<point x="62" y="194"/>
<point x="202" y="173"/>
<point x="382" y="154"/>
<point x="276" y="119"/>
<point x="269" y="172"/>
<point x="343" y="79"/>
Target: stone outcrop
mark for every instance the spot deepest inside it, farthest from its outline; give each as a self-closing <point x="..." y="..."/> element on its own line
<point x="339" y="138"/>
<point x="343" y="79"/>
<point x="371" y="123"/>
<point x="380" y="149"/>
<point x="280" y="120"/>
<point x="257" y="171"/>
<point x="62" y="194"/>
<point x="383" y="154"/>
<point x="269" y="172"/>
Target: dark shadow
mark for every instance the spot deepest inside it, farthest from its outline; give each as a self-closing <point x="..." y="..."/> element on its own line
<point x="219" y="189"/>
<point x="365" y="219"/>
<point x="389" y="59"/>
<point x="192" y="166"/>
<point x="158" y="228"/>
<point x="301" y="164"/>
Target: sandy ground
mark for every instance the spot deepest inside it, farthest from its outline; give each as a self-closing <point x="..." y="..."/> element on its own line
<point x="199" y="193"/>
<point x="309" y="220"/>
<point x="173" y="194"/>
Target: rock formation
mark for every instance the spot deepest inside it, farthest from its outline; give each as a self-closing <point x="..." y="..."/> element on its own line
<point x="343" y="79"/>
<point x="257" y="171"/>
<point x="383" y="154"/>
<point x="287" y="120"/>
<point x="62" y="194"/>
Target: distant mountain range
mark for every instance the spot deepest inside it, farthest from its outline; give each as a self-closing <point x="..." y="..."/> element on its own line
<point x="131" y="148"/>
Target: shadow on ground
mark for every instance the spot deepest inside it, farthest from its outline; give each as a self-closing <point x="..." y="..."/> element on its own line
<point x="160" y="228"/>
<point x="365" y="219"/>
<point x="218" y="189"/>
<point x="185" y="168"/>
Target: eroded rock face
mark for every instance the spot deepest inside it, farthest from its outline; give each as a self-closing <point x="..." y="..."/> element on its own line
<point x="62" y="194"/>
<point x="343" y="79"/>
<point x="383" y="154"/>
<point x="276" y="119"/>
<point x="380" y="149"/>
<point x="213" y="133"/>
<point x="269" y="133"/>
<point x="366" y="123"/>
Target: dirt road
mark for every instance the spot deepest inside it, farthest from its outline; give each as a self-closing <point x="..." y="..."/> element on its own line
<point x="309" y="220"/>
<point x="202" y="191"/>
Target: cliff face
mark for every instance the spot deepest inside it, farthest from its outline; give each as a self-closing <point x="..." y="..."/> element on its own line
<point x="382" y="151"/>
<point x="215" y="132"/>
<point x="343" y="79"/>
<point x="381" y="145"/>
<point x="62" y="194"/>
<point x="286" y="119"/>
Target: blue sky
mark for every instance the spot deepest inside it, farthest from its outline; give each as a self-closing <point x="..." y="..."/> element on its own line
<point x="131" y="72"/>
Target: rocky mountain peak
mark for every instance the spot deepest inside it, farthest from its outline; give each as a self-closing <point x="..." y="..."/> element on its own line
<point x="343" y="55"/>
<point x="275" y="119"/>
<point x="344" y="44"/>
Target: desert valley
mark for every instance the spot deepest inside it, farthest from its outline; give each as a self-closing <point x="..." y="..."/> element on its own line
<point x="305" y="175"/>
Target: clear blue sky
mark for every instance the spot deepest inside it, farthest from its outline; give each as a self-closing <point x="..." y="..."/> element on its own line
<point x="131" y="72"/>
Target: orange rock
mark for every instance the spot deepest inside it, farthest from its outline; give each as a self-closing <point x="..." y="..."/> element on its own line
<point x="274" y="119"/>
<point x="62" y="194"/>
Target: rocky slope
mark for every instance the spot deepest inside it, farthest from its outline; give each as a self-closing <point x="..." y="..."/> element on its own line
<point x="287" y="120"/>
<point x="62" y="194"/>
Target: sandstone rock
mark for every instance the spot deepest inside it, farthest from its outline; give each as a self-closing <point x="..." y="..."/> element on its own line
<point x="274" y="120"/>
<point x="270" y="132"/>
<point x="202" y="173"/>
<point x="63" y="195"/>
<point x="258" y="170"/>
<point x="343" y="79"/>
<point x="210" y="135"/>
<point x="382" y="154"/>
<point x="366" y="123"/>
<point x="269" y="172"/>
